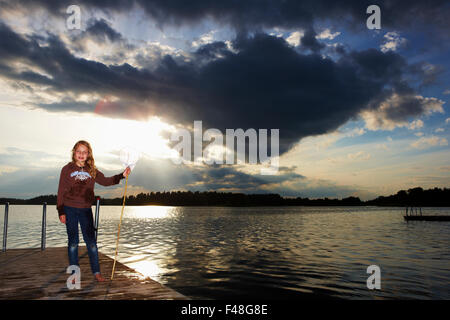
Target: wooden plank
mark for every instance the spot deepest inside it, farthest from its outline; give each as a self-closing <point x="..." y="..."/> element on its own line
<point x="35" y="274"/>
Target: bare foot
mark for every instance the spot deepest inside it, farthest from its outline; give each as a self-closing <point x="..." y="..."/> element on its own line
<point x="99" y="277"/>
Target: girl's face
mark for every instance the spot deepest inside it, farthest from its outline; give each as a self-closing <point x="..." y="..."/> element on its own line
<point x="81" y="153"/>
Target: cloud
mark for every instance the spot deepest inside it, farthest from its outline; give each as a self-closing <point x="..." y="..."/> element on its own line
<point x="360" y="155"/>
<point x="204" y="39"/>
<point x="355" y="132"/>
<point x="428" y="73"/>
<point x="309" y="41"/>
<point x="294" y="38"/>
<point x="102" y="31"/>
<point x="320" y="188"/>
<point x="395" y="110"/>
<point x="427" y="142"/>
<point x="416" y="124"/>
<point x="305" y="40"/>
<point x="382" y="146"/>
<point x="256" y="14"/>
<point x="12" y="157"/>
<point x="392" y="42"/>
<point x="327" y="34"/>
<point x="7" y="169"/>
<point x="67" y="105"/>
<point x="278" y="88"/>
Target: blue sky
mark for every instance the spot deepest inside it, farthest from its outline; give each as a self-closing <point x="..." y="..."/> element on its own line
<point x="360" y="112"/>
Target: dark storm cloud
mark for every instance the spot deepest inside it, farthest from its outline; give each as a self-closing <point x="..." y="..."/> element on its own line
<point x="216" y="177"/>
<point x="255" y="14"/>
<point x="211" y="51"/>
<point x="168" y="176"/>
<point x="266" y="83"/>
<point x="405" y="107"/>
<point x="102" y="31"/>
<point x="427" y="73"/>
<point x="69" y="73"/>
<point x="310" y="42"/>
<point x="26" y="76"/>
<point x="67" y="105"/>
<point x="378" y="67"/>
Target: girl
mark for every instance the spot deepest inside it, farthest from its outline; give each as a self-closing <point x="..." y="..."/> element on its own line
<point x="74" y="201"/>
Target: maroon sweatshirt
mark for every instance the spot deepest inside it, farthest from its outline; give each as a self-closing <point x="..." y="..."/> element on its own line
<point x="76" y="186"/>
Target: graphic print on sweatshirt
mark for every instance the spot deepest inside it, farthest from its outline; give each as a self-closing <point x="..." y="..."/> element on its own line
<point x="80" y="175"/>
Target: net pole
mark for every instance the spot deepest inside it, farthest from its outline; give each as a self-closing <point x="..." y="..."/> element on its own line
<point x="118" y="231"/>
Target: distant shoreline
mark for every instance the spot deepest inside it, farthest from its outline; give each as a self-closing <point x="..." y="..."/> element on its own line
<point x="416" y="197"/>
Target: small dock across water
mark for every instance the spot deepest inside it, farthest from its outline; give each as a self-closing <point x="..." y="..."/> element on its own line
<point x="415" y="214"/>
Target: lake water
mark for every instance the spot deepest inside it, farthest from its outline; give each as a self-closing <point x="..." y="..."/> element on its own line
<point x="265" y="252"/>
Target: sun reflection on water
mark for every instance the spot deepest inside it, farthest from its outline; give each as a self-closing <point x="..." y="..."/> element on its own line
<point x="152" y="260"/>
<point x="148" y="268"/>
<point x="156" y="212"/>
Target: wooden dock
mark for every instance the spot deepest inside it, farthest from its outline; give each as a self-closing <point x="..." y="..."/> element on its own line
<point x="34" y="274"/>
<point x="427" y="218"/>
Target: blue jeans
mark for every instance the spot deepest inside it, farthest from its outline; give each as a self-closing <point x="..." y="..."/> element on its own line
<point x="84" y="217"/>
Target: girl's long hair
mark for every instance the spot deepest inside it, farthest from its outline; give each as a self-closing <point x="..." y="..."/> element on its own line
<point x="90" y="158"/>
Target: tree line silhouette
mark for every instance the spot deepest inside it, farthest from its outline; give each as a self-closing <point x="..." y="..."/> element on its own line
<point x="417" y="197"/>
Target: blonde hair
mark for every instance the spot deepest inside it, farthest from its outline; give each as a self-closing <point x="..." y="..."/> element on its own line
<point x="90" y="157"/>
